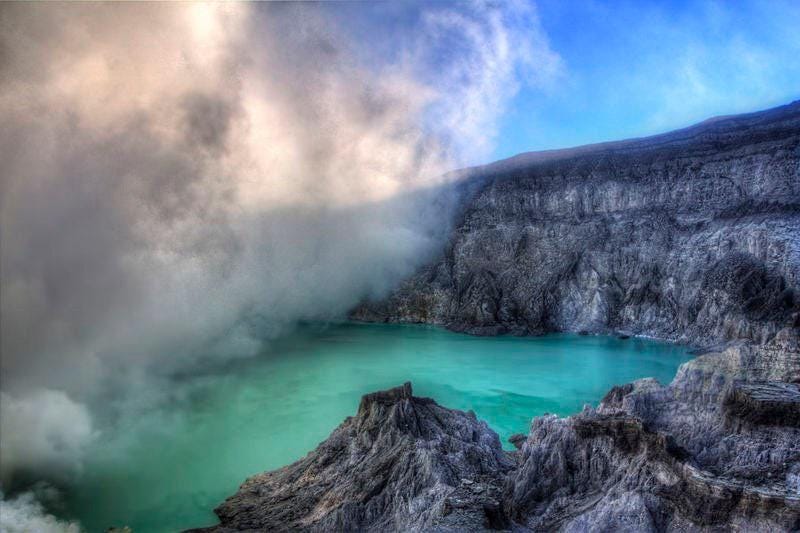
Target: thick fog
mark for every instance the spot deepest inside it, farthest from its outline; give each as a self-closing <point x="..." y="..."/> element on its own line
<point x="181" y="182"/>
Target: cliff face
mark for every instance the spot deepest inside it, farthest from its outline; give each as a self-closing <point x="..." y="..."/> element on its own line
<point x="691" y="236"/>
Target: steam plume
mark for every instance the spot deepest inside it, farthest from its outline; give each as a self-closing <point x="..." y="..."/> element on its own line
<point x="181" y="181"/>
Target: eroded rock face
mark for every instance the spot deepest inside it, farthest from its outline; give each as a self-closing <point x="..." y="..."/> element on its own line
<point x="691" y="236"/>
<point x="402" y="463"/>
<point x="710" y="452"/>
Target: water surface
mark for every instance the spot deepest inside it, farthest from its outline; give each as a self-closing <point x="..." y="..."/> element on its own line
<point x="167" y="469"/>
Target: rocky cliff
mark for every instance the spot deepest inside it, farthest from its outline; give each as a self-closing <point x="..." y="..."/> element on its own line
<point x="692" y="236"/>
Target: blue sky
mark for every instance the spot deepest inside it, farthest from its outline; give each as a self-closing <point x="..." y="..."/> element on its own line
<point x="633" y="68"/>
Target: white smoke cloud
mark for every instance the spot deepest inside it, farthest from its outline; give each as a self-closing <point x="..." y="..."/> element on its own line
<point x="25" y="514"/>
<point x="42" y="430"/>
<point x="181" y="181"/>
<point x="489" y="54"/>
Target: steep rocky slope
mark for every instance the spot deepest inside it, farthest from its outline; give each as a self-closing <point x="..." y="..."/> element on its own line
<point x="691" y="236"/>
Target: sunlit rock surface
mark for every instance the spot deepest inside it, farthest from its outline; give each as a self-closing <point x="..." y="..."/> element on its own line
<point x="674" y="458"/>
<point x="692" y="236"/>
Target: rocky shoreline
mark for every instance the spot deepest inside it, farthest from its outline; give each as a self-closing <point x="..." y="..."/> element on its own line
<point x="692" y="236"/>
<point x="713" y="451"/>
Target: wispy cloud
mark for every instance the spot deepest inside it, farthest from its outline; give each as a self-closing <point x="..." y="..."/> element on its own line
<point x="731" y="58"/>
<point x="477" y="60"/>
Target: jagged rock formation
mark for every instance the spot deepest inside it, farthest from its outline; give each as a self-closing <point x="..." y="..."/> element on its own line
<point x="691" y="236"/>
<point x="402" y="463"/>
<point x="713" y="451"/>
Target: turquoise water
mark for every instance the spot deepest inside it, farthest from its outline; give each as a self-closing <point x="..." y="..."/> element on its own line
<point x="167" y="469"/>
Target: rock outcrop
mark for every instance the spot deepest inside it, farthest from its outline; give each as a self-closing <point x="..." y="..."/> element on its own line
<point x="402" y="463"/>
<point x="692" y="236"/>
<point x="716" y="450"/>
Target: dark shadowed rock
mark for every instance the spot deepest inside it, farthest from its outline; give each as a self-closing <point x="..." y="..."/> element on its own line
<point x="767" y="403"/>
<point x="402" y="463"/>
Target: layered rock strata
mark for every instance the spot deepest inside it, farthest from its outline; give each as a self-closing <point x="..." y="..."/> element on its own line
<point x="691" y="236"/>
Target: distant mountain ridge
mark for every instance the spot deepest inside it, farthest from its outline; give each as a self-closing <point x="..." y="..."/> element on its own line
<point x="726" y="123"/>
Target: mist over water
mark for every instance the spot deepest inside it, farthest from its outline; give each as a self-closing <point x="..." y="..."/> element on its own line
<point x="167" y="469"/>
<point x="182" y="182"/>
